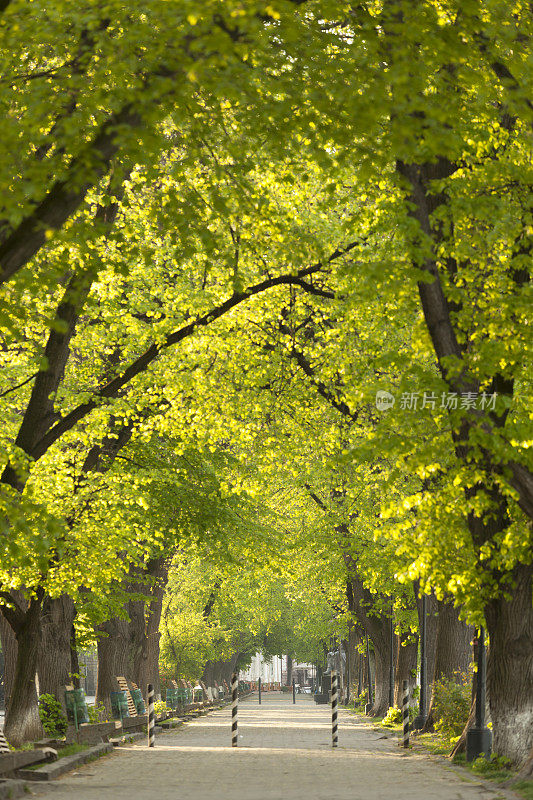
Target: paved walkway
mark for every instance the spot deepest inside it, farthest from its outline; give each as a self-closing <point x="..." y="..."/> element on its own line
<point x="284" y="753"/>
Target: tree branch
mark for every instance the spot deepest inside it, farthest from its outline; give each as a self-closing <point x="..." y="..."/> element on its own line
<point x="19" y="385"/>
<point x="321" y="387"/>
<point x="141" y="364"/>
<point x="12" y="611"/>
<point x="66" y="195"/>
<point x="39" y="414"/>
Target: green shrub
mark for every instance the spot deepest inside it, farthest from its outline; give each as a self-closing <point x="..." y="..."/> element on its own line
<point x="161" y="708"/>
<point x="393" y="717"/>
<point x="494" y="767"/>
<point x="97" y="713"/>
<point x="452" y="705"/>
<point x="51" y="714"/>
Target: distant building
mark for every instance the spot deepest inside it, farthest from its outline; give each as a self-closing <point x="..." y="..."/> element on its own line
<point x="268" y="669"/>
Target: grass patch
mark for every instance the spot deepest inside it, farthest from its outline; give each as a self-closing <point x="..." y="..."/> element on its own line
<point x="436" y="743"/>
<point x="496" y="768"/>
<point x="493" y="768"/>
<point x="69" y="750"/>
<point x="524" y="788"/>
<point x="72" y="749"/>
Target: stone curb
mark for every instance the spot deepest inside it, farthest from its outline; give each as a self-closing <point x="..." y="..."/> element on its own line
<point x="10" y="788"/>
<point x="57" y="768"/>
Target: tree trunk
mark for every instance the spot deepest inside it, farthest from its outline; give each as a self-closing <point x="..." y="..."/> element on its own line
<point x="382" y="679"/>
<point x="22" y="717"/>
<point x="289" y="670"/>
<point x="510" y="667"/>
<point x="145" y="618"/>
<point x="353" y="657"/>
<point x="9" y="649"/>
<point x="360" y="600"/>
<point x="113" y="651"/>
<point x="218" y="671"/>
<point x="131" y="646"/>
<point x="55" y="657"/>
<point x="526" y="771"/>
<point x="208" y="675"/>
<point x="406" y="663"/>
<point x="229" y="667"/>
<point x="453" y="654"/>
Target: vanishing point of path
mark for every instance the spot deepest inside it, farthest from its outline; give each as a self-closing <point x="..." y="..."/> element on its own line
<point x="284" y="754"/>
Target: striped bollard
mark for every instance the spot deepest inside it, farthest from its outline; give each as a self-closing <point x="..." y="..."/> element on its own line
<point x="405" y="714"/>
<point x="151" y="716"/>
<point x="259" y="689"/>
<point x="334" y="728"/>
<point x="234" y="709"/>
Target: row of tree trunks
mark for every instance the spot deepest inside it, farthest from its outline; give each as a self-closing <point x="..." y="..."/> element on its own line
<point x="50" y="630"/>
<point x="43" y="646"/>
<point x="453" y="651"/>
<point x="360" y="602"/>
<point x="448" y="646"/>
<point x="219" y="671"/>
<point x="432" y="618"/>
<point x="129" y="645"/>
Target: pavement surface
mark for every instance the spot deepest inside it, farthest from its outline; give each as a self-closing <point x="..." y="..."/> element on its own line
<point x="284" y="753"/>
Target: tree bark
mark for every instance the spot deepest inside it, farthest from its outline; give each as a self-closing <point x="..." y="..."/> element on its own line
<point x="352" y="658"/>
<point x="55" y="658"/>
<point x="526" y="770"/>
<point x="74" y="660"/>
<point x="218" y="671"/>
<point x="22" y="722"/>
<point x="9" y="648"/>
<point x="113" y="650"/>
<point x="144" y="626"/>
<point x="510" y="667"/>
<point x="381" y="685"/>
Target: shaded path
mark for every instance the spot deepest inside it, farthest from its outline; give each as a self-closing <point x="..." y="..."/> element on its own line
<point x="284" y="754"/>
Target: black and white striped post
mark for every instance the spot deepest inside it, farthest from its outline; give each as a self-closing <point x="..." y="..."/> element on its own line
<point x="259" y="689"/>
<point x="151" y="716"/>
<point x="234" y="709"/>
<point x="405" y="714"/>
<point x="334" y="727"/>
<point x="293" y="690"/>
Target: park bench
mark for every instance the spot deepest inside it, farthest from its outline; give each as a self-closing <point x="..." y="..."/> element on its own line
<point x="137" y="718"/>
<point x="124" y="687"/>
